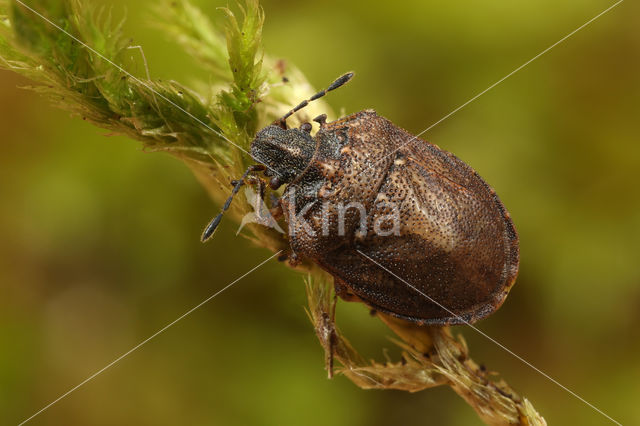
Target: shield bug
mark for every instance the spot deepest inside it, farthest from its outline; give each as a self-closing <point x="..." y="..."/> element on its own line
<point x="447" y="234"/>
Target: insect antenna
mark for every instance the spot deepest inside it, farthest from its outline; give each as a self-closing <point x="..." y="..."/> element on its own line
<point x="282" y="122"/>
<point x="213" y="225"/>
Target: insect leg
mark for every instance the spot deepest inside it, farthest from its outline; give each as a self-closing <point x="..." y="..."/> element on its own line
<point x="213" y="225"/>
<point x="342" y="289"/>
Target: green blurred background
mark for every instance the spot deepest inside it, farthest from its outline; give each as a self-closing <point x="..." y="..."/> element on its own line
<point x="100" y="241"/>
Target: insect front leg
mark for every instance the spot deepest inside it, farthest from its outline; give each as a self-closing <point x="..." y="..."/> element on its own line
<point x="277" y="212"/>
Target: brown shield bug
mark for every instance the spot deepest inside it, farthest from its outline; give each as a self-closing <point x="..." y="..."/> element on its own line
<point x="362" y="191"/>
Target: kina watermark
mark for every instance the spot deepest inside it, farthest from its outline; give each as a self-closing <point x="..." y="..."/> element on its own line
<point x="326" y="218"/>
